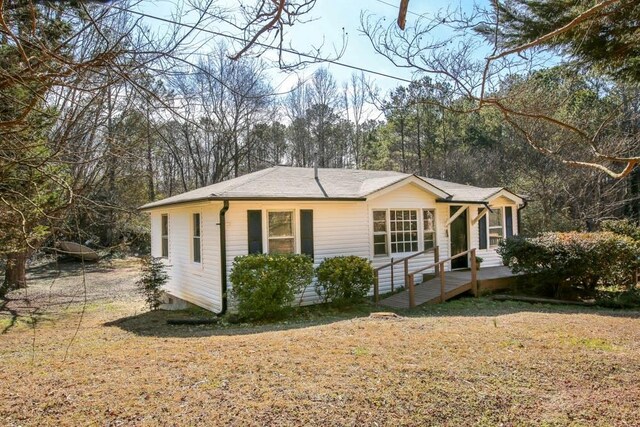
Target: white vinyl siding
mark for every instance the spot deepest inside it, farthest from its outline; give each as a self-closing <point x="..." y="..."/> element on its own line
<point x="339" y="228"/>
<point x="412" y="198"/>
<point x="197" y="283"/>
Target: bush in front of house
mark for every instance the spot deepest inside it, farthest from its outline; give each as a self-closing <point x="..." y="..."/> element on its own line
<point x="579" y="260"/>
<point x="344" y="279"/>
<point x="623" y="227"/>
<point x="265" y="285"/>
<point x="153" y="278"/>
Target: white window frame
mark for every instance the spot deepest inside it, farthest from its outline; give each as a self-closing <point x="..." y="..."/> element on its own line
<point x="424" y="232"/>
<point x="420" y="229"/>
<point x="489" y="226"/>
<point x="380" y="233"/>
<point x="294" y="230"/>
<point x="402" y="232"/>
<point x="194" y="237"/>
<point x="163" y="236"/>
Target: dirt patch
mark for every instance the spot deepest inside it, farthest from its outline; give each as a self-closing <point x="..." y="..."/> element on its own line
<point x="469" y="362"/>
<point x="56" y="286"/>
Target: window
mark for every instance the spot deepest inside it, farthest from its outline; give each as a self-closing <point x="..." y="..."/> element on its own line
<point x="403" y="230"/>
<point x="281" y="238"/>
<point x="197" y="248"/>
<point x="429" y="227"/>
<point x="164" y="235"/>
<point x="380" y="232"/>
<point x="496" y="232"/>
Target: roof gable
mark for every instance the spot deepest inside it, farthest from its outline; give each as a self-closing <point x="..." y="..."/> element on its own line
<point x="409" y="180"/>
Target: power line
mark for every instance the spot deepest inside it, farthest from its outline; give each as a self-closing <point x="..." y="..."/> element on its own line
<point x="266" y="46"/>
<point x="396" y="7"/>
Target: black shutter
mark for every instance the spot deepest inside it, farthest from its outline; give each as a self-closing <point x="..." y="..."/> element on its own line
<point x="508" y="215"/>
<point x="482" y="227"/>
<point x="306" y="232"/>
<point x="254" y="220"/>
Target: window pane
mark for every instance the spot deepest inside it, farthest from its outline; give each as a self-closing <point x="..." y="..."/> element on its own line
<point x="165" y="225"/>
<point x="379" y="216"/>
<point x="165" y="247"/>
<point x="379" y="227"/>
<point x="280" y="224"/>
<point x="379" y="249"/>
<point x="380" y="238"/>
<point x="495" y="235"/>
<point x="495" y="217"/>
<point x="196" y="225"/>
<point x="281" y="246"/>
<point x="428" y="220"/>
<point x="429" y="240"/>
<point x="196" y="249"/>
<point x="403" y="231"/>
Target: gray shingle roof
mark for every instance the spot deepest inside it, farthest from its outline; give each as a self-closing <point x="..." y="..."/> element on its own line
<point x="282" y="182"/>
<point x="464" y="193"/>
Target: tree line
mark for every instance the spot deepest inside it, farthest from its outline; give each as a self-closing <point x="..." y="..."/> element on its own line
<point x="97" y="118"/>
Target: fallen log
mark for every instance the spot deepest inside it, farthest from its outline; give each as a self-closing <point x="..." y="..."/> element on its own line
<point x="535" y="300"/>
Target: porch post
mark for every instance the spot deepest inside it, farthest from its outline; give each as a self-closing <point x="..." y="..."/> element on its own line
<point x="412" y="293"/>
<point x="474" y="273"/>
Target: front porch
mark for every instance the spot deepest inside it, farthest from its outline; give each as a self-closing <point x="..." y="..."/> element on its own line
<point x="455" y="283"/>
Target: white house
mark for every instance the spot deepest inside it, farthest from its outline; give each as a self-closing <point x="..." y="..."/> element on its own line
<point x="373" y="214"/>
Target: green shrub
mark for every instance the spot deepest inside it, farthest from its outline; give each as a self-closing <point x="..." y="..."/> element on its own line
<point x="614" y="298"/>
<point x="153" y="278"/>
<point x="264" y="286"/>
<point x="344" y="279"/>
<point x="582" y="260"/>
<point x="623" y="227"/>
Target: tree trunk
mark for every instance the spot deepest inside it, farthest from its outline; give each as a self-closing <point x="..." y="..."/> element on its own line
<point x="15" y="275"/>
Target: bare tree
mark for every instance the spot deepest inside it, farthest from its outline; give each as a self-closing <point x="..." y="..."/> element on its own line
<point x="456" y="59"/>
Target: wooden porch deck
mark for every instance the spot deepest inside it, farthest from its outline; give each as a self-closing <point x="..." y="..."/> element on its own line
<point x="456" y="282"/>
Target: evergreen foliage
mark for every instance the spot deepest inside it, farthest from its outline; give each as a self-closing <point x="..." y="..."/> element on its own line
<point x="581" y="260"/>
<point x="265" y="285"/>
<point x="344" y="279"/>
<point x="153" y="278"/>
<point x="609" y="42"/>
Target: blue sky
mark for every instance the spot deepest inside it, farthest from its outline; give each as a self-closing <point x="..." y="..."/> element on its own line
<point x="330" y="17"/>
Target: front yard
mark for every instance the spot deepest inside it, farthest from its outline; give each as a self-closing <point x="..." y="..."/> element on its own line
<point x="467" y="362"/>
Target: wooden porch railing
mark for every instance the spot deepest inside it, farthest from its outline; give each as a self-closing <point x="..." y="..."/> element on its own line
<point x="405" y="261"/>
<point x="439" y="269"/>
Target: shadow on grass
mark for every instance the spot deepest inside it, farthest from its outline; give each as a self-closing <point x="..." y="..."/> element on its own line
<point x="467" y="306"/>
<point x="154" y="323"/>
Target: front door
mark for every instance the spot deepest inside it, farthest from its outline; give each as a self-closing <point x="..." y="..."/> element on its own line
<point x="459" y="238"/>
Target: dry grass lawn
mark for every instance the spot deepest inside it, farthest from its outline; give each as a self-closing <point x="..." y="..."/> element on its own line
<point x="468" y="362"/>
